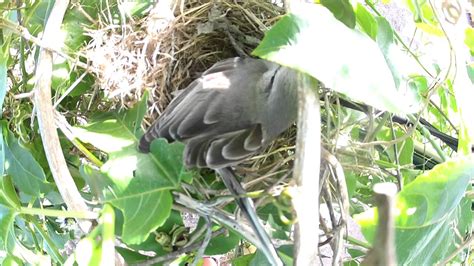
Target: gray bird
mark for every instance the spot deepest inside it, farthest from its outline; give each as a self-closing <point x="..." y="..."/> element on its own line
<point x="234" y="110"/>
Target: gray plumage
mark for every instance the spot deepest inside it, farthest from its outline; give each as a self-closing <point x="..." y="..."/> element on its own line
<point x="232" y="111"/>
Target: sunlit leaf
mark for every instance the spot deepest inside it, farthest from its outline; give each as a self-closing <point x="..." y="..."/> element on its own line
<point x="88" y="252"/>
<point x="366" y="20"/>
<point x="433" y="30"/>
<point x="342" y="10"/>
<point x="24" y="169"/>
<point x="400" y="64"/>
<point x="136" y="183"/>
<point x="311" y="40"/>
<point x="427" y="209"/>
<point x="469" y="39"/>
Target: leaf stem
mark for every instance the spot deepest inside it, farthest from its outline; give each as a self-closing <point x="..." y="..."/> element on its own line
<point x="427" y="135"/>
<point x="59" y="213"/>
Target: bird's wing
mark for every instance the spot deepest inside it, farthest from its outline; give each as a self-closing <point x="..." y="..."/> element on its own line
<point x="223" y="150"/>
<point x="221" y="101"/>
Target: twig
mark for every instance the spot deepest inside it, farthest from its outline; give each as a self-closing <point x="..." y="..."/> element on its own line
<point x="175" y="254"/>
<point x="469" y="242"/>
<point x="305" y="196"/>
<point x="426" y="133"/>
<point x="69" y="90"/>
<point x="383" y="251"/>
<point x="66" y="129"/>
<point x="218" y="215"/>
<point x="397" y="160"/>
<point x="44" y="44"/>
<point x="205" y="242"/>
<point x="344" y="199"/>
<point x="57" y="163"/>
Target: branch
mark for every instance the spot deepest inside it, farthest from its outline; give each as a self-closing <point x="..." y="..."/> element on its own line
<point x="306" y="173"/>
<point x="383" y="250"/>
<point x="66" y="186"/>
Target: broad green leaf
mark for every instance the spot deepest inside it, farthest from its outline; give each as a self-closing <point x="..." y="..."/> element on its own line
<point x="8" y="196"/>
<point x="260" y="260"/>
<point x="427" y="209"/>
<point x="366" y="21"/>
<point x="342" y="10"/>
<point x="23" y="168"/>
<point x="138" y="184"/>
<point x="130" y="256"/>
<point x="243" y="260"/>
<point x="223" y="243"/>
<point x="143" y="213"/>
<point x="312" y="40"/>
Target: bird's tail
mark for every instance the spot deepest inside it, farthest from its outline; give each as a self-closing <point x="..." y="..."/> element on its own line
<point x="248" y="209"/>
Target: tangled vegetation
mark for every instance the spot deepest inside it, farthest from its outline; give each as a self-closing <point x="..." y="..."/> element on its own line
<point x="394" y="109"/>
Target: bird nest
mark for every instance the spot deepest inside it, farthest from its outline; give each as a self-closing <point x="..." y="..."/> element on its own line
<point x="167" y="49"/>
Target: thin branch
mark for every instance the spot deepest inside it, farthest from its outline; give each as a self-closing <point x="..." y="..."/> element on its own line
<point x="43" y="43"/>
<point x="305" y="196"/>
<point x="466" y="244"/>
<point x="220" y="216"/>
<point x="205" y="242"/>
<point x="175" y="254"/>
<point x="383" y="251"/>
<point x="57" y="163"/>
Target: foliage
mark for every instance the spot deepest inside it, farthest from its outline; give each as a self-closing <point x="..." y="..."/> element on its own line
<point x="349" y="47"/>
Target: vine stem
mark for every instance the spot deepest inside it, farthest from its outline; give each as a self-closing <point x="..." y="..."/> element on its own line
<point x="59" y="213"/>
<point x="42" y="91"/>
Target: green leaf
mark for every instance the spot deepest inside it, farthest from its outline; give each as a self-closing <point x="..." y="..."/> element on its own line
<point x="7" y="217"/>
<point x="138" y="184"/>
<point x="427" y="209"/>
<point x="24" y="169"/>
<point x="401" y="66"/>
<point x="469" y="38"/>
<point x="8" y="196"/>
<point x="11" y="260"/>
<point x="358" y="70"/>
<point x="243" y="260"/>
<point x="3" y="73"/>
<point x="366" y="21"/>
<point x="405" y="148"/>
<point x="342" y="10"/>
<point x="143" y="213"/>
<point x="259" y="259"/>
<point x="223" y="243"/>
<point x="88" y="252"/>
